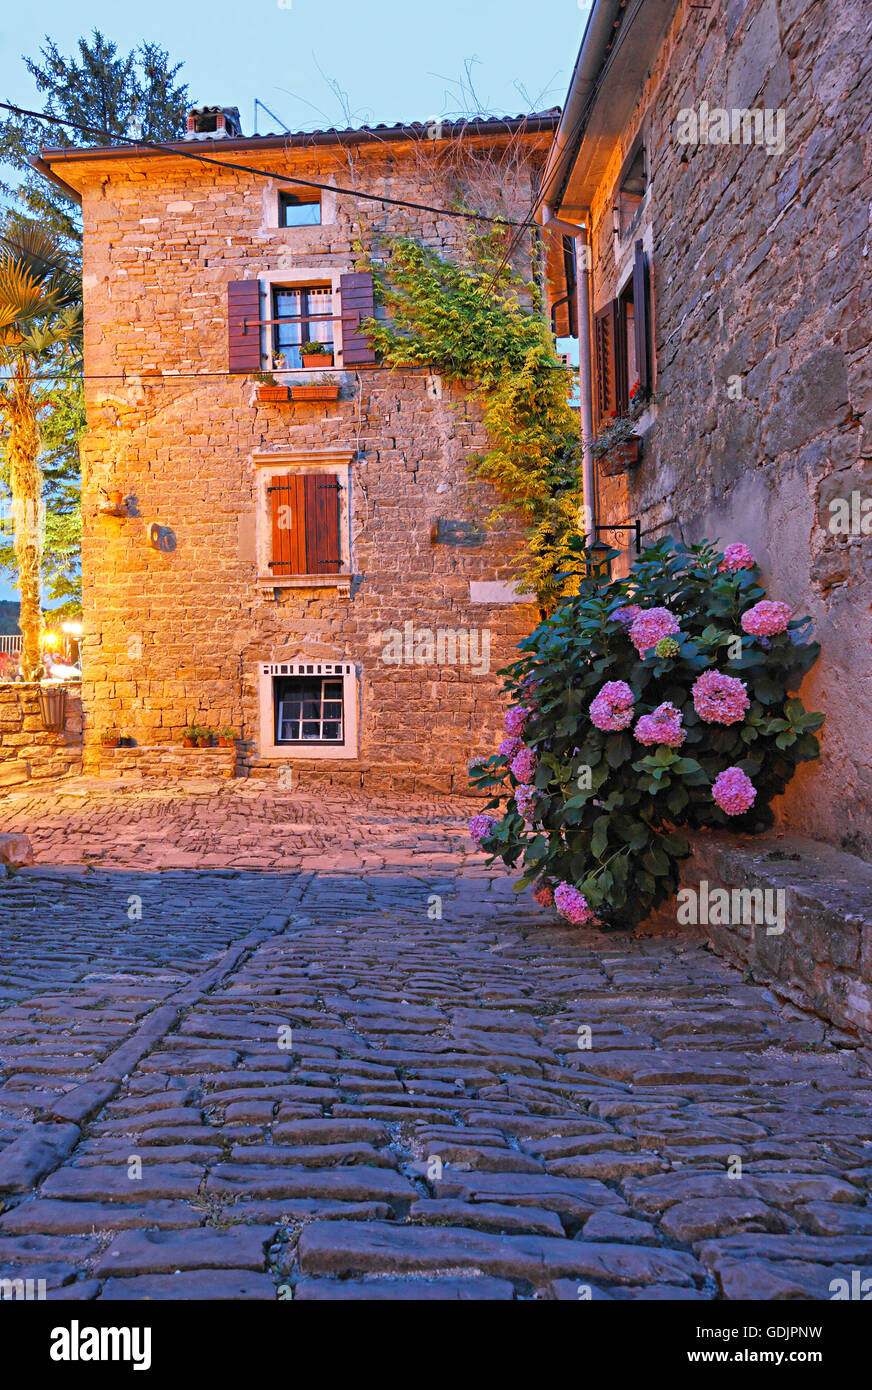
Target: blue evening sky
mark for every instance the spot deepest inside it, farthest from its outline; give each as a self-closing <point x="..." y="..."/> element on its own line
<point x="393" y="60"/>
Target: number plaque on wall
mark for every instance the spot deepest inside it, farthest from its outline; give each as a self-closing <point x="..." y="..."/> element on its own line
<point x="456" y="533"/>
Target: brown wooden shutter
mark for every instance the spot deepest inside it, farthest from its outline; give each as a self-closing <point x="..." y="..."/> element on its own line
<point x="243" y="326"/>
<point x="288" y="510"/>
<point x="323" y="552"/>
<point x="605" y="326"/>
<point x="642" y="319"/>
<point x="357" y="302"/>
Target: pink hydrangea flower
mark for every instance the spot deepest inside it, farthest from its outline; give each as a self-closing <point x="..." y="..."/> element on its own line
<point x="736" y="557"/>
<point x="766" y="618"/>
<point x="626" y="615"/>
<point x="481" y="827"/>
<point x="523" y="765"/>
<point x="650" y="625"/>
<point x="720" y="699"/>
<point x="509" y="747"/>
<point x="572" y="904"/>
<point x="516" y="717"/>
<point x="544" y="895"/>
<point x="734" y="791"/>
<point x="525" y="800"/>
<point x="612" y="708"/>
<point x="663" y="725"/>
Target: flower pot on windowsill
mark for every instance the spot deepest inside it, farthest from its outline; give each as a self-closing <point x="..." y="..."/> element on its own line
<point x="317" y="359"/>
<point x="189" y="743"/>
<point x="621" y="458"/>
<point x="316" y="391"/>
<point x="271" y="395"/>
<point x="205" y="741"/>
<point x="226" y="742"/>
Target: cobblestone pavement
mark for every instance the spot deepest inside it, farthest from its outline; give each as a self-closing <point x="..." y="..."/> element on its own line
<point x="434" y="1124"/>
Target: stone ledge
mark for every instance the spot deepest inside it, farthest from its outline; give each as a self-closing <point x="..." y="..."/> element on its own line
<point x="823" y="958"/>
<point x="159" y="760"/>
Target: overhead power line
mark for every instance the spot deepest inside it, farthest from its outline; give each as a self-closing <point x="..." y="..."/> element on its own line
<point x="177" y="152"/>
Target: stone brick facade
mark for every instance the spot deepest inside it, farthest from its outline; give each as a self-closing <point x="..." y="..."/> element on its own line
<point x="181" y="633"/>
<point x="762" y="334"/>
<point x="27" y="750"/>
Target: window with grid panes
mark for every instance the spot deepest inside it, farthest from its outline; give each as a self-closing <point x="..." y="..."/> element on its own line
<point x="308" y="709"/>
<point x="308" y="314"/>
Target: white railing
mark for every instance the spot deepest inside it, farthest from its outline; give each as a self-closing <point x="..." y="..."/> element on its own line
<point x="11" y="644"/>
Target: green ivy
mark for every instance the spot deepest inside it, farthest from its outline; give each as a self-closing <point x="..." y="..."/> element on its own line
<point x="478" y="323"/>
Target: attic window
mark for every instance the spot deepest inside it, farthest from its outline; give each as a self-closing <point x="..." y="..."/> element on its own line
<point x="302" y="209"/>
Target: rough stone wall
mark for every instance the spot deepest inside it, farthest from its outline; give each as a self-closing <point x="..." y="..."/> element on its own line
<point x="175" y="637"/>
<point x="27" y="750"/>
<point x="760" y="277"/>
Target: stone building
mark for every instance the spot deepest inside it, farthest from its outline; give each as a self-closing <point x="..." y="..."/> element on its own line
<point x="714" y="168"/>
<point x="305" y="563"/>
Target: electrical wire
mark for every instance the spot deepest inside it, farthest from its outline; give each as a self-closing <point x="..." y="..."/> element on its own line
<point x="261" y="173"/>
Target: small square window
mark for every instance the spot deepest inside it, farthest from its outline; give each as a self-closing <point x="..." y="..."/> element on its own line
<point x="300" y="209"/>
<point x="308" y="709"/>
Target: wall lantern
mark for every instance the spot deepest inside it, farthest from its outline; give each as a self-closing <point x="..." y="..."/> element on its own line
<point x="53" y="707"/>
<point x="597" y="562"/>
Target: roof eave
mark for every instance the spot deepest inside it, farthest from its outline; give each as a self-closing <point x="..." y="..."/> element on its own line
<point x="610" y="71"/>
<point x="539" y="122"/>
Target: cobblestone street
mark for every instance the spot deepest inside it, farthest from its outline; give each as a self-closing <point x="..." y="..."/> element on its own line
<point x="434" y="1124"/>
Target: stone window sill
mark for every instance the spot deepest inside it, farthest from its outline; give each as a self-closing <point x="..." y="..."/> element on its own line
<point x="341" y="582"/>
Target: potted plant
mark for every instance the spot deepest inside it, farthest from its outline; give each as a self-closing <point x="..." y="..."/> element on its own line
<point x="190" y="735"/>
<point x="109" y="739"/>
<point x="204" y="738"/>
<point x="326" y="388"/>
<point x="227" y="738"/>
<point x="268" y="389"/>
<point x="316" y="355"/>
<point x="617" y="447"/>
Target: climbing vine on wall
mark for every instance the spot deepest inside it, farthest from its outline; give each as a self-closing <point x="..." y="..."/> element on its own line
<point x="478" y="322"/>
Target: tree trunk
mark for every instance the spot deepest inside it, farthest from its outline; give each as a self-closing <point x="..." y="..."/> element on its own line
<point x="25" y="481"/>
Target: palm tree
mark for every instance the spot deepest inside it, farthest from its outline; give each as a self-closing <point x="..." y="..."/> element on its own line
<point x="40" y="319"/>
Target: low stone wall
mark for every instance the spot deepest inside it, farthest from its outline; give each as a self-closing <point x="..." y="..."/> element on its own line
<point x="28" y="751"/>
<point x="372" y="777"/>
<point x="822" y="959"/>
<point x="158" y="760"/>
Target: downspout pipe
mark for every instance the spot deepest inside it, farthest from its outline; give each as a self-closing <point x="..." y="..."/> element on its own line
<point x="579" y="234"/>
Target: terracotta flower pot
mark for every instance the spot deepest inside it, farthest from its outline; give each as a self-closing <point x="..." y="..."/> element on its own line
<point x="226" y="742"/>
<point x="189" y="743"/>
<point x="109" y="743"/>
<point x="205" y="742"/>
<point x="115" y="498"/>
<point x="621" y="458"/>
<point x="314" y="392"/>
<point x="317" y="359"/>
<point x="272" y="394"/>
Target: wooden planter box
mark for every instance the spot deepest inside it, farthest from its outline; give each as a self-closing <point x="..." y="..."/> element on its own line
<point x="271" y="395"/>
<point x="315" y="393"/>
<point x="621" y="458"/>
<point x="314" y="360"/>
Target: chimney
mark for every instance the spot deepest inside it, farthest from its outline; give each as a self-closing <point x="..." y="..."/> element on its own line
<point x="213" y="123"/>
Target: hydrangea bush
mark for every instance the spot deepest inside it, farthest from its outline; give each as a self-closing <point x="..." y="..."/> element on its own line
<point x="638" y="708"/>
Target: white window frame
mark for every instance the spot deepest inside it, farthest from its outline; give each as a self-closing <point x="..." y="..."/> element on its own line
<point x="306" y="666"/>
<point x="291" y="276"/>
<point x="284" y="463"/>
<point x="271" y="209"/>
